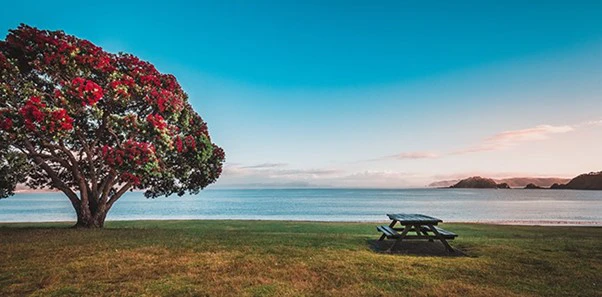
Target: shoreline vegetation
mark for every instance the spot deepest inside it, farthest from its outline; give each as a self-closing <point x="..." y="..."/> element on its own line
<point x="284" y="258"/>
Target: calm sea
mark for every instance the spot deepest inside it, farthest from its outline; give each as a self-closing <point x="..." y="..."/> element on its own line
<point x="451" y="205"/>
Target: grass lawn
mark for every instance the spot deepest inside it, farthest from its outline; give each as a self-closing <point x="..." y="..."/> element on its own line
<point x="267" y="258"/>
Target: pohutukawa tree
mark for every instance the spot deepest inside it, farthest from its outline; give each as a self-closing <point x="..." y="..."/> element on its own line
<point x="95" y="125"/>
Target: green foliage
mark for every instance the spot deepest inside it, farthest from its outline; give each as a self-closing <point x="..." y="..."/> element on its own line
<point x="14" y="169"/>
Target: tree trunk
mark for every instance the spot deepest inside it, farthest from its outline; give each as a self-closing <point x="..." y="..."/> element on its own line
<point x="90" y="220"/>
<point x="92" y="215"/>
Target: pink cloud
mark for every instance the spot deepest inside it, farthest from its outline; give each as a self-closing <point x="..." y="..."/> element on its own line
<point x="502" y="140"/>
<point x="512" y="138"/>
<point x="265" y="166"/>
<point x="415" y="155"/>
<point x="409" y="156"/>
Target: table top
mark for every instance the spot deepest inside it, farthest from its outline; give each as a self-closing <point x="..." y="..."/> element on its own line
<point x="413" y="218"/>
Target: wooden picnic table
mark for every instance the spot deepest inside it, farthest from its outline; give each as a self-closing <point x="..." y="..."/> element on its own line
<point x="424" y="226"/>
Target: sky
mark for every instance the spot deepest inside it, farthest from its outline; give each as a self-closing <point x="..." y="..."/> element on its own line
<point x="389" y="94"/>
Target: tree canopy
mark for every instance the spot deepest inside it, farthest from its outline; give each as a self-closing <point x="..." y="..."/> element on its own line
<point x="95" y="124"/>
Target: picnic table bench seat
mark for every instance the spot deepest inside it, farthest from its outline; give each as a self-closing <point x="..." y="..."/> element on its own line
<point x="393" y="232"/>
<point x="388" y="231"/>
<point x="446" y="234"/>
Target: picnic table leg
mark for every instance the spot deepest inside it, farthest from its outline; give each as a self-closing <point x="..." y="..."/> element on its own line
<point x="382" y="237"/>
<point x="426" y="234"/>
<point x="418" y="230"/>
<point x="438" y="236"/>
<point x="405" y="231"/>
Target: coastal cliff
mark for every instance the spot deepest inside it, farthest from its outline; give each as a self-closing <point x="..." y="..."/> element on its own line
<point x="588" y="181"/>
<point x="477" y="182"/>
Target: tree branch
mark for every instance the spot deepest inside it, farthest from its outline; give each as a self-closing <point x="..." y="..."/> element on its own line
<point x="107" y="185"/>
<point x="118" y="195"/>
<point x="92" y="169"/>
<point x="57" y="182"/>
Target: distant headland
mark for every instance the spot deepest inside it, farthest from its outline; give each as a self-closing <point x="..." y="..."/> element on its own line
<point x="514" y="182"/>
<point x="588" y="181"/>
<point x="477" y="182"/>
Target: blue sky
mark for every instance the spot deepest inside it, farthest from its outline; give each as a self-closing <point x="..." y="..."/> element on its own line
<point x="368" y="94"/>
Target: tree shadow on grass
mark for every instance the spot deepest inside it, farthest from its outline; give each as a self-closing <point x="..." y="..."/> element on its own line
<point x="414" y="248"/>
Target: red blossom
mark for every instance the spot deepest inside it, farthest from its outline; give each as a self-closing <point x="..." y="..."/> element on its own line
<point x="202" y="130"/>
<point x="165" y="100"/>
<point x="53" y="121"/>
<point x="29" y="125"/>
<point x="128" y="177"/>
<point x="151" y="80"/>
<point x="136" y="153"/>
<point x="6" y="124"/>
<point x="182" y="145"/>
<point x="105" y="150"/>
<point x="157" y="121"/>
<point x="179" y="144"/>
<point x="121" y="86"/>
<point x="31" y="112"/>
<point x="61" y="120"/>
<point x="218" y="152"/>
<point x="103" y="62"/>
<point x="86" y="90"/>
<point x="3" y="61"/>
<point x="170" y="82"/>
<point x="112" y="156"/>
<point x="190" y="142"/>
<point x="58" y="93"/>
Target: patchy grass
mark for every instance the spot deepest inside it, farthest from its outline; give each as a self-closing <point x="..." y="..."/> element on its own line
<point x="268" y="258"/>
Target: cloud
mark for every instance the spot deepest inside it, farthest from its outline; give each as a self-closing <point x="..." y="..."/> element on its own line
<point x="499" y="141"/>
<point x="589" y="123"/>
<point x="274" y="169"/>
<point x="296" y="172"/>
<point x="536" y="133"/>
<point x="265" y="165"/>
<point x="406" y="156"/>
<point x="273" y="175"/>
<point x="238" y="176"/>
<point x="512" y="138"/>
<point x="263" y="185"/>
<point x="376" y="179"/>
<point x="411" y="156"/>
<point x="495" y="175"/>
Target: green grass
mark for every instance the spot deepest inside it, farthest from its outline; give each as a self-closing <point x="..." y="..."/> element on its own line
<point x="266" y="258"/>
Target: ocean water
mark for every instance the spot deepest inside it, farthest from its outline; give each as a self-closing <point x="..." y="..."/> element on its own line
<point x="451" y="205"/>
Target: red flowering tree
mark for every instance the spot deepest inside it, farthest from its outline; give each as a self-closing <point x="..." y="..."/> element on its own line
<point x="95" y="125"/>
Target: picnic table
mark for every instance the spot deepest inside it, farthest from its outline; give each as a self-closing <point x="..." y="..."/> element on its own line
<point x="424" y="226"/>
